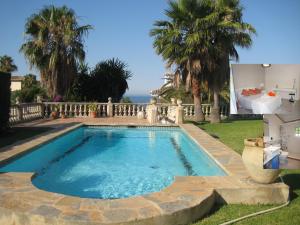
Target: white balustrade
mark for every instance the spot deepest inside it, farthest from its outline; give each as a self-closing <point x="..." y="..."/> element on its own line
<point x="128" y="109"/>
<point x="31" y="111"/>
<point x="25" y="112"/>
<point x="74" y="109"/>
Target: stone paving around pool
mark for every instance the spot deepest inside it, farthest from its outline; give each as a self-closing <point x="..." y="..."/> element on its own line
<point x="186" y="200"/>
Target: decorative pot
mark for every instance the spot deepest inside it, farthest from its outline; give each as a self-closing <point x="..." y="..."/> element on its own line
<point x="54" y="115"/>
<point x="63" y="116"/>
<point x="93" y="114"/>
<point x="253" y="156"/>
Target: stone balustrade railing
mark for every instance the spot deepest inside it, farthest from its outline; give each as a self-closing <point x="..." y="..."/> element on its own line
<point x="26" y="112"/>
<point x="73" y="109"/>
<point x="189" y="111"/>
<point x="31" y="111"/>
<point x="128" y="109"/>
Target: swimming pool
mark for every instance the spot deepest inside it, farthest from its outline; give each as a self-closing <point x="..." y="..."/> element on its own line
<point x="114" y="162"/>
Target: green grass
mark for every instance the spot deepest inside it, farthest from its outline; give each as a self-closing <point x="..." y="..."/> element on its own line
<point x="20" y="133"/>
<point x="232" y="134"/>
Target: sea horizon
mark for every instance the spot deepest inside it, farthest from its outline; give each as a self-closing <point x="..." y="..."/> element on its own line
<point x="139" y="98"/>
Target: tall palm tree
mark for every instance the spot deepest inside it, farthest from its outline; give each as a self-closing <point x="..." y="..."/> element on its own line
<point x="182" y="41"/>
<point x="201" y="36"/>
<point x="54" y="45"/>
<point x="7" y="64"/>
<point x="227" y="31"/>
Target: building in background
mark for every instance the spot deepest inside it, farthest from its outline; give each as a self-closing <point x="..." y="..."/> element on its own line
<point x="16" y="83"/>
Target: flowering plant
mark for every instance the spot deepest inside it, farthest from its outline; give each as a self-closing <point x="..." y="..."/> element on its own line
<point x="57" y="98"/>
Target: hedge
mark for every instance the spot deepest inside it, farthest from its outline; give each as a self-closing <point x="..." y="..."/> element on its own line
<point x="4" y="100"/>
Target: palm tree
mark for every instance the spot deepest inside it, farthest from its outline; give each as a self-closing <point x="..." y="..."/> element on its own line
<point x="201" y="35"/>
<point x="7" y="64"/>
<point x="181" y="41"/>
<point x="54" y="45"/>
<point x="228" y="31"/>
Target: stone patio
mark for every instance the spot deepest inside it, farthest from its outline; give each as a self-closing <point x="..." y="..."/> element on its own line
<point x="186" y="200"/>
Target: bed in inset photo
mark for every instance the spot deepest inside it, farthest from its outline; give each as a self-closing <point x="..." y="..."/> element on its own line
<point x="264" y="88"/>
<point x="258" y="101"/>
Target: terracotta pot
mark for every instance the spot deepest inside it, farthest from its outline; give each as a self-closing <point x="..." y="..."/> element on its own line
<point x="253" y="156"/>
<point x="63" y="116"/>
<point x="93" y="114"/>
<point x="54" y="115"/>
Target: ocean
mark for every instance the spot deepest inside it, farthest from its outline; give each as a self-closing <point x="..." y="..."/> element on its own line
<point x="139" y="98"/>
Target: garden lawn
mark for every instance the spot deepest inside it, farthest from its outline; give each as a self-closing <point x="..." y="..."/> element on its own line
<point x="20" y="133"/>
<point x="232" y="133"/>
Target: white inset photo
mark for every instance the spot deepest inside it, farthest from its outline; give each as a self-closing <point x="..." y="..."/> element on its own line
<point x="282" y="141"/>
<point x="265" y="89"/>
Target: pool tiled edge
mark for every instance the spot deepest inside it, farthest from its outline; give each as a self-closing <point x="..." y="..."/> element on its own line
<point x="17" y="149"/>
<point x="230" y="161"/>
<point x="186" y="200"/>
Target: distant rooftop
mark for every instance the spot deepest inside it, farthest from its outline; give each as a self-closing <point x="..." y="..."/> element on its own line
<point x="17" y="78"/>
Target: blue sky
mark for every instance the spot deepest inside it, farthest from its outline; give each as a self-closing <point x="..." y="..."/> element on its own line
<point x="121" y="29"/>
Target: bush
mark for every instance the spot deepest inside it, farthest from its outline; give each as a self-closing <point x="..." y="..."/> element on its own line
<point x="31" y="88"/>
<point x="4" y="100"/>
<point x="107" y="79"/>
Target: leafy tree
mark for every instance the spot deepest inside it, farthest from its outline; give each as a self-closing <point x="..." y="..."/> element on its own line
<point x="107" y="79"/>
<point x="31" y="88"/>
<point x="7" y="64"/>
<point x="81" y="86"/>
<point x="54" y="45"/>
<point x="29" y="81"/>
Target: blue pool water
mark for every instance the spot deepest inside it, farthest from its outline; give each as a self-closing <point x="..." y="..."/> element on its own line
<point x="109" y="162"/>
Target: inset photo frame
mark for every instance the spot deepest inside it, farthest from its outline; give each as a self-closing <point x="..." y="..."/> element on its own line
<point x="265" y="89"/>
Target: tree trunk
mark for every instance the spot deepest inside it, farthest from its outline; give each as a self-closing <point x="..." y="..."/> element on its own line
<point x="199" y="116"/>
<point x="215" y="112"/>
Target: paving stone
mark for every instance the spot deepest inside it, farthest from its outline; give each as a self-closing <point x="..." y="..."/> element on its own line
<point x="120" y="215"/>
<point x="47" y="211"/>
<point x="68" y="202"/>
<point x="75" y="216"/>
<point x="171" y="207"/>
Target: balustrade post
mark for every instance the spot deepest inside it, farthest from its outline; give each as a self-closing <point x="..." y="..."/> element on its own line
<point x="179" y="112"/>
<point x="42" y="108"/>
<point x="17" y="100"/>
<point x="109" y="109"/>
<point x="152" y="112"/>
<point x="20" y="112"/>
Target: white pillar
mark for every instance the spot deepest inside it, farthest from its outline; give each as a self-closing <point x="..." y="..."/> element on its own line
<point x="152" y="112"/>
<point x="110" y="108"/>
<point x="179" y="112"/>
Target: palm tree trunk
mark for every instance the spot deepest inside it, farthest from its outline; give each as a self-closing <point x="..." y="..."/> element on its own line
<point x="215" y="112"/>
<point x="199" y="116"/>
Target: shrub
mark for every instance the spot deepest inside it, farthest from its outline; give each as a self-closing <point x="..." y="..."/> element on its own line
<point x="31" y="88"/>
<point x="4" y="100"/>
<point x="92" y="107"/>
<point x="108" y="79"/>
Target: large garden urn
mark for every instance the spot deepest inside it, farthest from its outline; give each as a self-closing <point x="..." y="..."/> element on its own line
<point x="253" y="156"/>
